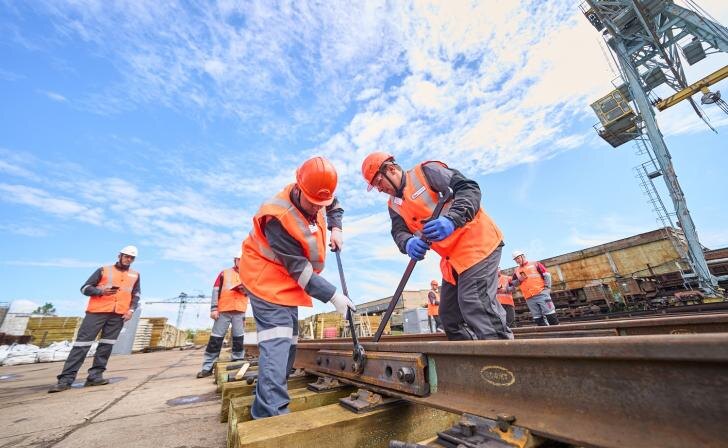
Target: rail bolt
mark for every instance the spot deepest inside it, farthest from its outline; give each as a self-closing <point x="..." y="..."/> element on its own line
<point x="504" y="421"/>
<point x="406" y="374"/>
<point x="342" y="365"/>
<point x="318" y="360"/>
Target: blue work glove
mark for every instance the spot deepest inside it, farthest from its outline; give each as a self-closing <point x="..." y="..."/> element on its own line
<point x="416" y="248"/>
<point x="438" y="229"/>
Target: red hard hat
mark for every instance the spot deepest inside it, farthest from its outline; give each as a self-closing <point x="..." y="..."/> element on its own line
<point x="372" y="164"/>
<point x="317" y="179"/>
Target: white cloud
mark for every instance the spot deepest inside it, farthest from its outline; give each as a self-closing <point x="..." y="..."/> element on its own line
<point x="57" y="97"/>
<point x="49" y="203"/>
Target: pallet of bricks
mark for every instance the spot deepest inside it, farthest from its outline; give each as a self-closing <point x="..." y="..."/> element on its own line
<point x="45" y="330"/>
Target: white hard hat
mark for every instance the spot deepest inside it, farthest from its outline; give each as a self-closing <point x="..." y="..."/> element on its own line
<point x="518" y="252"/>
<point x="129" y="250"/>
<point x="239" y="254"/>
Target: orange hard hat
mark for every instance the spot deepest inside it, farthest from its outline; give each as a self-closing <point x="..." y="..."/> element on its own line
<point x="317" y="179"/>
<point x="372" y="164"/>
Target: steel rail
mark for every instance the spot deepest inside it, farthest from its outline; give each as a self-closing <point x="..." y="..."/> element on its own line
<point x="696" y="323"/>
<point x="703" y="323"/>
<point x="660" y="390"/>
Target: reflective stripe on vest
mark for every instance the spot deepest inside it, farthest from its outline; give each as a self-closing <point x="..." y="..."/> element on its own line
<point x="262" y="272"/>
<point x="231" y="298"/>
<point x="505" y="298"/>
<point x="466" y="246"/>
<point x="531" y="280"/>
<point x="119" y="302"/>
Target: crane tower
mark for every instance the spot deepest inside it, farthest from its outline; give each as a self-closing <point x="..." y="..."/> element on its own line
<point x="652" y="40"/>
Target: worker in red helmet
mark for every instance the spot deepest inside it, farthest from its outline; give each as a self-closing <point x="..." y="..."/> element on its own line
<point x="282" y="258"/>
<point x="466" y="238"/>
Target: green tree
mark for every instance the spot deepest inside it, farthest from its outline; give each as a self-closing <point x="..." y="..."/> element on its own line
<point x="46" y="310"/>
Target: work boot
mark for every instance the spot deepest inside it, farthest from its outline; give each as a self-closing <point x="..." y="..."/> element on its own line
<point x="60" y="387"/>
<point x="96" y="382"/>
<point x="204" y="373"/>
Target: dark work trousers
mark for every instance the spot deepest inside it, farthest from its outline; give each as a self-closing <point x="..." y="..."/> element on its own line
<point x="277" y="328"/>
<point x="470" y="310"/>
<point x="110" y="325"/>
<point x="437" y="321"/>
<point x="510" y="315"/>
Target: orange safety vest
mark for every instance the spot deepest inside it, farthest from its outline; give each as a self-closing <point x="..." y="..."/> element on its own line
<point x="231" y="298"/>
<point x="261" y="272"/>
<point x="531" y="280"/>
<point x="466" y="246"/>
<point x="120" y="302"/>
<point x="504" y="298"/>
<point x="432" y="309"/>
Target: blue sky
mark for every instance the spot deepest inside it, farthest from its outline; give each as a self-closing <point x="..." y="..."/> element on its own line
<point x="165" y="125"/>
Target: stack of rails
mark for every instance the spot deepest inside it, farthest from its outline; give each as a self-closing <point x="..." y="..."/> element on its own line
<point x="45" y="330"/>
<point x="550" y="384"/>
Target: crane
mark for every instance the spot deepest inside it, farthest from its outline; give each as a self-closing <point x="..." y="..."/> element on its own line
<point x="183" y="299"/>
<point x="650" y="40"/>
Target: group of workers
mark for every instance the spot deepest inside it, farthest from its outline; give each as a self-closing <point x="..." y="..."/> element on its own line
<point x="278" y="269"/>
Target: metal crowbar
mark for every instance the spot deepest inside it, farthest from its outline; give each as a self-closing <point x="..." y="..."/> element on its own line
<point x="408" y="271"/>
<point x="358" y="356"/>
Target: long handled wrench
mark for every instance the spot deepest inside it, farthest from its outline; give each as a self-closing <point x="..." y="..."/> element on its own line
<point x="358" y="356"/>
<point x="408" y="271"/>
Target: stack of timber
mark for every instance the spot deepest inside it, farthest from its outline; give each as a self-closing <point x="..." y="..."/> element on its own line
<point x="46" y="330"/>
<point x="163" y="335"/>
<point x="201" y="337"/>
<point x="169" y="336"/>
<point x="313" y="327"/>
<point x="158" y="324"/>
<point x="143" y="336"/>
<point x="250" y="325"/>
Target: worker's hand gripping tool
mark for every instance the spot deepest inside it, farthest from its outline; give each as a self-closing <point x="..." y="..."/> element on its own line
<point x="444" y="197"/>
<point x="358" y="356"/>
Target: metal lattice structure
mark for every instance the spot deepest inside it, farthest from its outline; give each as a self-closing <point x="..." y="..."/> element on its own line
<point x="651" y="40"/>
<point x="183" y="299"/>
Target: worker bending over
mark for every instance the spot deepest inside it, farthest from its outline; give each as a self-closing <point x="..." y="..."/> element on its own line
<point x="227" y="308"/>
<point x="466" y="238"/>
<point x="505" y="297"/>
<point x="282" y="259"/>
<point x="535" y="283"/>
<point x="114" y="295"/>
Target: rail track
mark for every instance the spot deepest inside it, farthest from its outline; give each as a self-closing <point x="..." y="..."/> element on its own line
<point x="658" y="381"/>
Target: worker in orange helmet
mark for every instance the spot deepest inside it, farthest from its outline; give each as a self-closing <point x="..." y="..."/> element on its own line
<point x="282" y="258"/>
<point x="505" y="297"/>
<point x="466" y="238"/>
<point x="433" y="307"/>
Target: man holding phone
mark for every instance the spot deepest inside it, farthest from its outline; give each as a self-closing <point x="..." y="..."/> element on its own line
<point x="114" y="295"/>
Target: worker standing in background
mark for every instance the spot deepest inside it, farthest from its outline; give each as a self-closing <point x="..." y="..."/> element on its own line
<point x="114" y="295"/>
<point x="282" y="258"/>
<point x="505" y="297"/>
<point x="433" y="306"/>
<point x="228" y="305"/>
<point x="535" y="283"/>
<point x="466" y="238"/>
